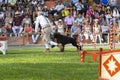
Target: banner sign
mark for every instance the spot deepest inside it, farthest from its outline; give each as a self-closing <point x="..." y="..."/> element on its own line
<point x="110" y="65"/>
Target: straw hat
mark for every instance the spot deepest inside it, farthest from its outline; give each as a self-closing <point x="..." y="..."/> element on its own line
<point x="96" y="20"/>
<point x="17" y="12"/>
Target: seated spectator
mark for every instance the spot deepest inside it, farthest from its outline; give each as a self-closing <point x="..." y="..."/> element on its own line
<point x="9" y="11"/>
<point x="26" y="20"/>
<point x="65" y="12"/>
<point x="45" y="11"/>
<point x="115" y="14"/>
<point x="105" y="31"/>
<point x="28" y="31"/>
<point x="118" y="34"/>
<point x="74" y="12"/>
<point x="69" y="22"/>
<point x="8" y="24"/>
<point x="2" y="31"/>
<point x="96" y="31"/>
<point x="74" y="2"/>
<point x="79" y="20"/>
<point x="90" y="12"/>
<point x="74" y="29"/>
<point x="66" y="3"/>
<point x="60" y="27"/>
<point x="88" y="32"/>
<point x="1" y="19"/>
<point x="35" y="36"/>
<point x="108" y="16"/>
<point x="79" y="7"/>
<point x="17" y="28"/>
<point x="53" y="27"/>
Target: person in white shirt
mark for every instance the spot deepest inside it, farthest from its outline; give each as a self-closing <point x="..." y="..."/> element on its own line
<point x="60" y="27"/>
<point x="105" y="31"/>
<point x="45" y="29"/>
<point x="115" y="14"/>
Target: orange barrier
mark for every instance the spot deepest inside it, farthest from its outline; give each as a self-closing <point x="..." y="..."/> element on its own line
<point x="93" y="54"/>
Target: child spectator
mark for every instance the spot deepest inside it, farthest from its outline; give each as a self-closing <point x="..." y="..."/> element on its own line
<point x="96" y="31"/>
<point x="27" y="32"/>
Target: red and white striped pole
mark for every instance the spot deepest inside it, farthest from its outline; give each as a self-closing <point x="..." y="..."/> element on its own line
<point x="94" y="36"/>
<point x="111" y="34"/>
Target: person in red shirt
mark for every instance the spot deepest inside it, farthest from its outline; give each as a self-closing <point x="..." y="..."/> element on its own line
<point x="27" y="32"/>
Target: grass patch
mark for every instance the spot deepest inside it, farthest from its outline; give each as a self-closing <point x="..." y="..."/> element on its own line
<point x="34" y="64"/>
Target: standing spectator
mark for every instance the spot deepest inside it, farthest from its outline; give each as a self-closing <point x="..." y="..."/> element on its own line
<point x="46" y="30"/>
<point x="17" y="28"/>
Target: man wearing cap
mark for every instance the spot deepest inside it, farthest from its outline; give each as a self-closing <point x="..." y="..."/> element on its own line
<point x="46" y="30"/>
<point x="17" y="24"/>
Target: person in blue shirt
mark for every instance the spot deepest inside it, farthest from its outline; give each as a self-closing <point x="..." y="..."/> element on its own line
<point x="79" y="20"/>
<point x="74" y="2"/>
<point x="74" y="31"/>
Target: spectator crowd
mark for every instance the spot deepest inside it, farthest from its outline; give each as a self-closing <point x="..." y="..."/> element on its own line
<point x="92" y="18"/>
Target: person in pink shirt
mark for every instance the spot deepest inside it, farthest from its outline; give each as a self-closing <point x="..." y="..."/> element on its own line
<point x="90" y="12"/>
<point x="69" y="22"/>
